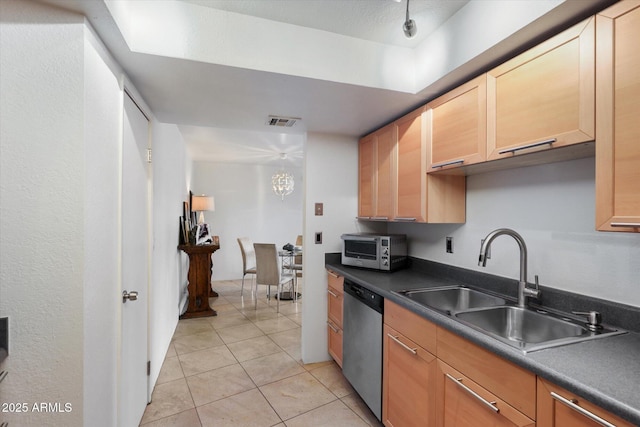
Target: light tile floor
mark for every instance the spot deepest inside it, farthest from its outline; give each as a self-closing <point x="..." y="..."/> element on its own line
<point x="243" y="368"/>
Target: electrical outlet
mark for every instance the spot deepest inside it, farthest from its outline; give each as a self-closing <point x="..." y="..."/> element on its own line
<point x="318" y="237"/>
<point x="319" y="209"/>
<point x="449" y="245"/>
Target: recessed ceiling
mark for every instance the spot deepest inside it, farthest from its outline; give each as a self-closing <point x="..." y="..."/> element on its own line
<point x="219" y="68"/>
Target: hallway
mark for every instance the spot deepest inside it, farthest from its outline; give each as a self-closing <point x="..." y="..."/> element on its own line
<point x="243" y="368"/>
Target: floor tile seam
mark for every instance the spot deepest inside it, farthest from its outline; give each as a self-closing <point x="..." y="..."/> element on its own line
<point x="199" y="349"/>
<point x="313" y="409"/>
<point x="169" y="416"/>
<point x="228" y="396"/>
<point x="345" y="404"/>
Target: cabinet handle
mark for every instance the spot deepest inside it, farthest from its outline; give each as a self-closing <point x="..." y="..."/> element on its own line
<point x="452" y="162"/>
<point x="490" y="405"/>
<point x="331" y="273"/>
<point x="363" y="217"/>
<point x="333" y="328"/>
<point x="412" y="350"/>
<point x="380" y="218"/>
<point x="524" y="147"/>
<point x="333" y="294"/>
<point x="573" y="405"/>
<point x="407" y="219"/>
<point x="625" y="224"/>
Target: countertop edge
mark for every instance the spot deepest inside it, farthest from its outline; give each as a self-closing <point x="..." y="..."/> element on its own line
<point x="527" y="361"/>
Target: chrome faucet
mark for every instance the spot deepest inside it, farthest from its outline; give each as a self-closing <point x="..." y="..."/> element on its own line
<point x="523" y="290"/>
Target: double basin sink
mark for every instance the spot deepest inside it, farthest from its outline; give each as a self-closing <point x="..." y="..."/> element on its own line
<point x="524" y="328"/>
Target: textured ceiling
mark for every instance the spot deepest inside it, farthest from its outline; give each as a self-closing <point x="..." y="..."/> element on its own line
<point x="375" y="20"/>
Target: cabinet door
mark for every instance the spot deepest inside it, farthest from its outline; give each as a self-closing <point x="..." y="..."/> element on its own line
<point x="544" y="97"/>
<point x="385" y="170"/>
<point x="464" y="403"/>
<point x="457" y="129"/>
<point x="408" y="386"/>
<point x="411" y="203"/>
<point x="335" y="342"/>
<point x="617" y="113"/>
<point x="366" y="188"/>
<point x="560" y="408"/>
<point x="335" y="298"/>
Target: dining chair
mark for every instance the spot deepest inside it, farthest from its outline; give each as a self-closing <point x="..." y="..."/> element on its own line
<point x="268" y="271"/>
<point x="248" y="260"/>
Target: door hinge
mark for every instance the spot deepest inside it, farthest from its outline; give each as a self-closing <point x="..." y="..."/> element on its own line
<point x="148" y="367"/>
<point x="148" y="155"/>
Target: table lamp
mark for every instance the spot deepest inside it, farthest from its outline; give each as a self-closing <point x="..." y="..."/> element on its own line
<point x="201" y="204"/>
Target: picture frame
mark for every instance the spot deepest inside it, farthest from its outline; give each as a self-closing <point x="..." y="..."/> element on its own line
<point x="203" y="235"/>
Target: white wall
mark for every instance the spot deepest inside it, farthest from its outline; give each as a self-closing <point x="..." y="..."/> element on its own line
<point x="171" y="164"/>
<point x="102" y="136"/>
<point x="245" y="206"/>
<point x="42" y="194"/>
<point x="553" y="208"/>
<point x="332" y="179"/>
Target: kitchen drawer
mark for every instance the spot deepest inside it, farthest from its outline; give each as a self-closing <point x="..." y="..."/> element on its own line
<point x="559" y="408"/>
<point x="511" y="383"/>
<point x="335" y="342"/>
<point x="411" y="325"/>
<point x="461" y="402"/>
<point x="335" y="298"/>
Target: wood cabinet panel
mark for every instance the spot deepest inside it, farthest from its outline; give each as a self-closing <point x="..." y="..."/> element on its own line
<point x="617" y="112"/>
<point x="366" y="189"/>
<point x="461" y="402"/>
<point x="411" y="199"/>
<point x="385" y="172"/>
<point x="335" y="294"/>
<point x="457" y="126"/>
<point x="335" y="342"/>
<point x="408" y="382"/>
<point x="552" y="412"/>
<point x="547" y="93"/>
<point x="411" y="325"/>
<point x="515" y="385"/>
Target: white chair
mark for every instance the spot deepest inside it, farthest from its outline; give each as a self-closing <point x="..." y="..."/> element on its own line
<point x="248" y="259"/>
<point x="268" y="271"/>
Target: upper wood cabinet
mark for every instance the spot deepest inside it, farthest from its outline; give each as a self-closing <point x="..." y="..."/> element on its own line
<point x="544" y="97"/>
<point x="618" y="118"/>
<point x="457" y="126"/>
<point x="411" y="202"/>
<point x="376" y="171"/>
<point x="559" y="408"/>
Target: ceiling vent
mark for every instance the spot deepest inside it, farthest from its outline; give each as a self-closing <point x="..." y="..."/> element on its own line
<point x="282" y="121"/>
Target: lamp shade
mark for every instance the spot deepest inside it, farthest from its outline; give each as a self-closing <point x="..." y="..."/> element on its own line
<point x="202" y="203"/>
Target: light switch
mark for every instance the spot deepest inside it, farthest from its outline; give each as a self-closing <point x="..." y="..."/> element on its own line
<point x="319" y="209"/>
<point x="318" y="237"/>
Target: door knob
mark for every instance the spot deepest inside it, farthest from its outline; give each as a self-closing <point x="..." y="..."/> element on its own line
<point x="132" y="296"/>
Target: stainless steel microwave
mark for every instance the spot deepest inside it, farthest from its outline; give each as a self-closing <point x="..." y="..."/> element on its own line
<point x="379" y="252"/>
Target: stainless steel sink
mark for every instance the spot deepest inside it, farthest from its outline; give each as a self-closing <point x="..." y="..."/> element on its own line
<point x="528" y="329"/>
<point x="453" y="299"/>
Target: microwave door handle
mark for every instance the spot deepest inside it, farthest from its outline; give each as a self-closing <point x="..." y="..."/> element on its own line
<point x="366" y="239"/>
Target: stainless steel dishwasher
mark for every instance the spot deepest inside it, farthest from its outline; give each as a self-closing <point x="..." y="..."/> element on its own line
<point x="362" y="343"/>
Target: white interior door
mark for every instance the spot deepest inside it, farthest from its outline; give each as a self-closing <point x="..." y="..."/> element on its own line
<point x="133" y="353"/>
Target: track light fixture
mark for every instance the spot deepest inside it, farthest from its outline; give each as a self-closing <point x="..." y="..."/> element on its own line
<point x="409" y="26"/>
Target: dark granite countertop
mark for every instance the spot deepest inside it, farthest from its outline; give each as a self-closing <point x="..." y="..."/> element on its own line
<point x="605" y="371"/>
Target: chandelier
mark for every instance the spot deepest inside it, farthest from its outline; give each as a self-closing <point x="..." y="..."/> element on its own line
<point x="282" y="181"/>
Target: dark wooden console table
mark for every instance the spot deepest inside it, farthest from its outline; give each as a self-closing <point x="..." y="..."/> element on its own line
<point x="199" y="277"/>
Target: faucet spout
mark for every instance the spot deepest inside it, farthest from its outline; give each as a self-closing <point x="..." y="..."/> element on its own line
<point x="523" y="291"/>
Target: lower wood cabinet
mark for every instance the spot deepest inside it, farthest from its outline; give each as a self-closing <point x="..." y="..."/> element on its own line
<point x="335" y="289"/>
<point x="559" y="408"/>
<point x="462" y="402"/>
<point x="408" y="382"/>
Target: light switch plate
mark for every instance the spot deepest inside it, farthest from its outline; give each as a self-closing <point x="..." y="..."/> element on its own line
<point x="318" y="237"/>
<point x="319" y="209"/>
